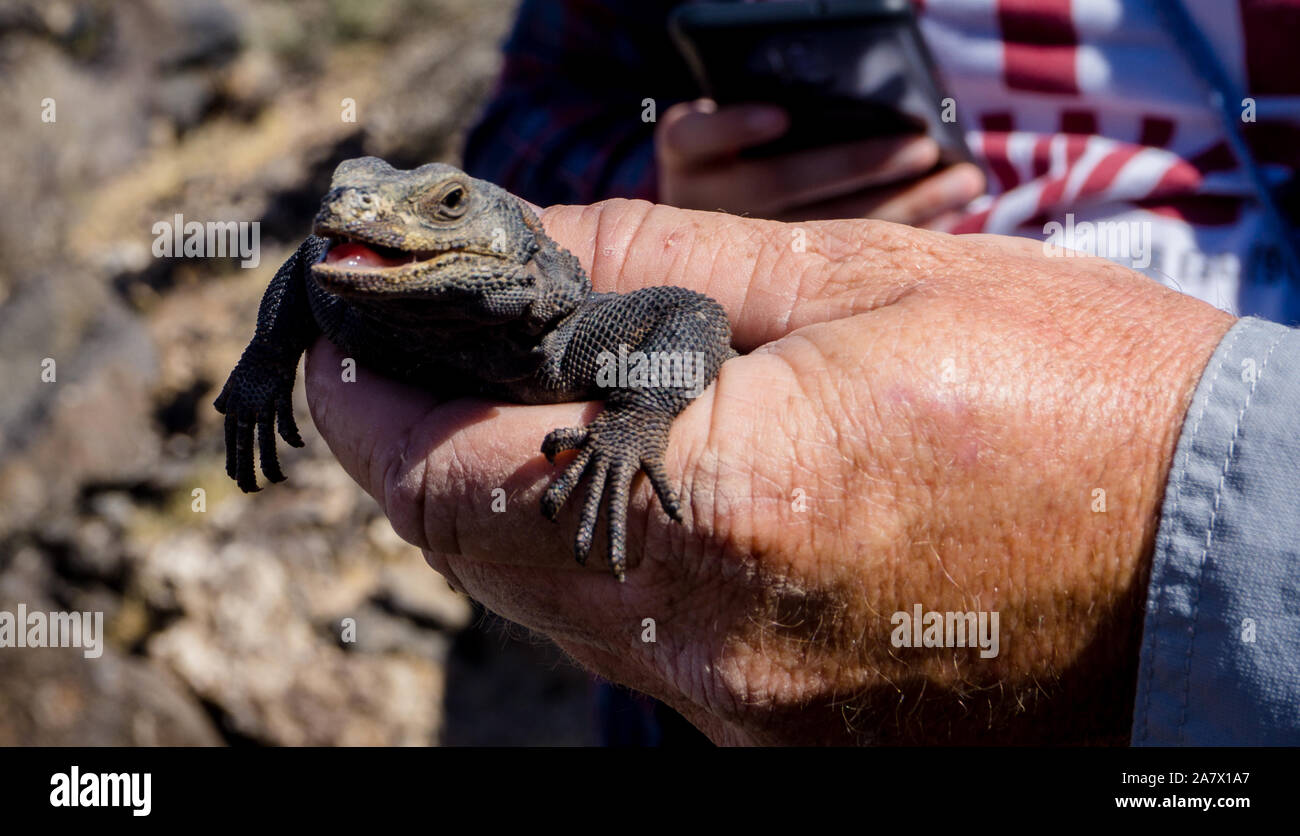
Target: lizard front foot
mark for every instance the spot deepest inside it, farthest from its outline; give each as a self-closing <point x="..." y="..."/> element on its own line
<point x="612" y="448"/>
<point x="257" y="395"/>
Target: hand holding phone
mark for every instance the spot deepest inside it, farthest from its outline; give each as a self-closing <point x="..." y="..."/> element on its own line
<point x="824" y="108"/>
<point x="701" y="165"/>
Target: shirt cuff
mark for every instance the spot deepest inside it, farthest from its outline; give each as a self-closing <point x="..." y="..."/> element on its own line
<point x="1220" y="663"/>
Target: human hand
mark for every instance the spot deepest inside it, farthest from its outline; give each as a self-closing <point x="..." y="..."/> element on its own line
<point x="696" y="148"/>
<point x="920" y="419"/>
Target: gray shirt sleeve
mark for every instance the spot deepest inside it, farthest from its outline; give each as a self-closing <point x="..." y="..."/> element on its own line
<point x="1220" y="661"/>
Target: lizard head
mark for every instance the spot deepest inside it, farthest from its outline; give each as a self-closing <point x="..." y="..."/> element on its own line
<point x="403" y="233"/>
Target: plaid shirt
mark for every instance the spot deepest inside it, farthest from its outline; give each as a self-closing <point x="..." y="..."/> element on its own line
<point x="564" y="124"/>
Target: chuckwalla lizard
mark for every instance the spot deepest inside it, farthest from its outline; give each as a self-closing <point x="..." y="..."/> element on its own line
<point x="450" y="283"/>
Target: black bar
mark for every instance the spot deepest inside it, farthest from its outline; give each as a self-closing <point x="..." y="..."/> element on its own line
<point x="425" y="786"/>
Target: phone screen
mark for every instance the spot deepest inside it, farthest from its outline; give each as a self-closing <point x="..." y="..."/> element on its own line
<point x="844" y="71"/>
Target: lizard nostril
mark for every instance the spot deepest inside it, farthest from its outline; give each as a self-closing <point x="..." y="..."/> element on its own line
<point x="360" y="204"/>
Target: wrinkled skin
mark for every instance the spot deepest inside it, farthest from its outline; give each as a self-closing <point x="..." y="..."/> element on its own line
<point x="921" y="418"/>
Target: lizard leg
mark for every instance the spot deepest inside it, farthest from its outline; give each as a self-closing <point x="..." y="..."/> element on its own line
<point x="680" y="339"/>
<point x="258" y="395"/>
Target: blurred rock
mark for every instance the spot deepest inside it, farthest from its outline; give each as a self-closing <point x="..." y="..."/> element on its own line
<point x="223" y="611"/>
<point x="202" y="32"/>
<point x="77" y="373"/>
<point x="26" y="578"/>
<point x="409" y="587"/>
<point x="244" y="641"/>
<point x="373" y="630"/>
<point x="57" y="697"/>
<point x="184" y="98"/>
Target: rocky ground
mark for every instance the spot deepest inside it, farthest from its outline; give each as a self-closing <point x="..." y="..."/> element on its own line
<point x="223" y="623"/>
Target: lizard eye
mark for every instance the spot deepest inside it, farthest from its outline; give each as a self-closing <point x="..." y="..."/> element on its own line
<point x="451" y="202"/>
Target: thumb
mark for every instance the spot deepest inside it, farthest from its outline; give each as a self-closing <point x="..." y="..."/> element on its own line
<point x="463" y="477"/>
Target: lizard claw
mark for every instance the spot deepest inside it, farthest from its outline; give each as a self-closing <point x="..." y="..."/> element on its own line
<point x="566" y="438"/>
<point x="617" y="444"/>
<point x="253" y="400"/>
<point x="288" y="427"/>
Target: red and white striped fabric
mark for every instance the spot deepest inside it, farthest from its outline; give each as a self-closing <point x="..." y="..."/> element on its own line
<point x="1090" y="108"/>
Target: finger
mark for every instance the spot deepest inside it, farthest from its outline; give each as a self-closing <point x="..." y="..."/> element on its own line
<point x="370" y="411"/>
<point x="914" y="203"/>
<point x="944" y="222"/>
<point x="692" y="133"/>
<point x="769" y="186"/>
<point x="435" y="468"/>
<point x="772" y="278"/>
<point x="1011" y="245"/>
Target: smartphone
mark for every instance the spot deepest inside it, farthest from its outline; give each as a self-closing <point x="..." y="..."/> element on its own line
<point x="845" y="70"/>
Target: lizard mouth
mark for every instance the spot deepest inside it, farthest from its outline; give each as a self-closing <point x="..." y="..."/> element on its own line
<point x="355" y="265"/>
<point x="354" y="255"/>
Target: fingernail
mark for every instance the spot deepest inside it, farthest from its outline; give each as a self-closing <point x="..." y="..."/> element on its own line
<point x="705" y="106"/>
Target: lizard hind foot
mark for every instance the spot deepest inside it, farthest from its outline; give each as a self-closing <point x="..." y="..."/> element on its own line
<point x="611" y="450"/>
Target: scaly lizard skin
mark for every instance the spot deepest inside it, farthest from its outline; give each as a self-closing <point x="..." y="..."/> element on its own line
<point x="449" y="283"/>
